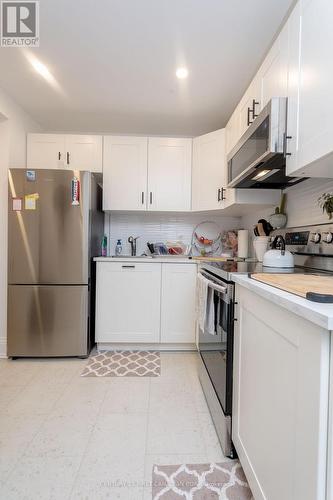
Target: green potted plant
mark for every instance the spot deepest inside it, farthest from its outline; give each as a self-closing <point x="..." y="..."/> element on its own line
<point x="279" y="218"/>
<point x="325" y="201"/>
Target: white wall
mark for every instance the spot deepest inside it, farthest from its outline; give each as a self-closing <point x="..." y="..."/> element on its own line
<point x="301" y="207"/>
<point x="14" y="124"/>
<point x="4" y="160"/>
<point x="19" y="124"/>
<point x="157" y="227"/>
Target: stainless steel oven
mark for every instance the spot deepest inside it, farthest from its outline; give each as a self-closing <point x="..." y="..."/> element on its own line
<point x="216" y="355"/>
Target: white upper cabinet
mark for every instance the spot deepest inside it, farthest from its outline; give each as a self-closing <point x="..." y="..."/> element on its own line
<point x="208" y="168"/>
<point x="169" y="174"/>
<point x="84" y="152"/>
<point x="129" y="163"/>
<point x="45" y="151"/>
<point x="270" y="81"/>
<point x="125" y="173"/>
<point x="273" y="73"/>
<point x="239" y="202"/>
<point x="311" y="126"/>
<point x="250" y="105"/>
<point x="232" y="130"/>
<point x="77" y="152"/>
<point x="294" y="27"/>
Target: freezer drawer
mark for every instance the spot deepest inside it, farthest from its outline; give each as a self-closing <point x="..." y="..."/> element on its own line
<point x="47" y="320"/>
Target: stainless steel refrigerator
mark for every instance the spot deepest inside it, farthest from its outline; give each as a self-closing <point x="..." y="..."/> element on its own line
<point x="55" y="228"/>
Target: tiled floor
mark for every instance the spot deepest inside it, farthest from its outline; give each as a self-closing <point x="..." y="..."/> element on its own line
<point x="67" y="437"/>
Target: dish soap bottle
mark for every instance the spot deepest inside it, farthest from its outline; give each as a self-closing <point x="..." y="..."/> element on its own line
<point x="104" y="246"/>
<point x="119" y="248"/>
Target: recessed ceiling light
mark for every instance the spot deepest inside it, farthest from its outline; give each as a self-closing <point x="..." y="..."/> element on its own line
<point x="41" y="69"/>
<point x="182" y="73"/>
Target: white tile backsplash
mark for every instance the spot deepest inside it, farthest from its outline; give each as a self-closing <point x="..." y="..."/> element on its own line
<point x="301" y="206"/>
<point x="154" y="227"/>
<point x="302" y="209"/>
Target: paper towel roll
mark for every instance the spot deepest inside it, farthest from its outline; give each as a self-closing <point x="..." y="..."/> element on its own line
<point x="243" y="243"/>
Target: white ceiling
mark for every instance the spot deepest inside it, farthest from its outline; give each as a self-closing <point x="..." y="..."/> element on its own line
<point x="115" y="61"/>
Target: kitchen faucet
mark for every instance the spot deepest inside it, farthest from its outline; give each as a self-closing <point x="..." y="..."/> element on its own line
<point x="132" y="242"/>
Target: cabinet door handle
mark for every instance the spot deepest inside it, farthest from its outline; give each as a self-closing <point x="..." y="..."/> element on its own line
<point x="249" y="110"/>
<point x="128" y="267"/>
<point x="151" y="197"/>
<point x="222" y="194"/>
<point x="143" y="198"/>
<point x="59" y="155"/>
<point x="67" y="158"/>
<point x="285" y="138"/>
<point x="219" y="194"/>
<point x="254" y="104"/>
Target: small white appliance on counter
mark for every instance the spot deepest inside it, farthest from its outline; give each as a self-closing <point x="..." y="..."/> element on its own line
<point x="278" y="257"/>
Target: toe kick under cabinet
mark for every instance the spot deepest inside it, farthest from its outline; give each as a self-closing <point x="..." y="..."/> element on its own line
<point x="145" y="303"/>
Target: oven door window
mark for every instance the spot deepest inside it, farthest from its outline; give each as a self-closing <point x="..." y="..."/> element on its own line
<point x="251" y="150"/>
<point x="215" y="351"/>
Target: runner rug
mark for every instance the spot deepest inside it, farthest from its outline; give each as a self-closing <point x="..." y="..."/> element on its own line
<point x="123" y="364"/>
<point x="213" y="481"/>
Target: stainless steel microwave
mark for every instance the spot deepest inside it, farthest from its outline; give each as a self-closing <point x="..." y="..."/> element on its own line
<point x="259" y="158"/>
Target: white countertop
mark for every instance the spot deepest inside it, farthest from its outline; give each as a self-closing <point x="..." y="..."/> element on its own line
<point x="320" y="314"/>
<point x="166" y="259"/>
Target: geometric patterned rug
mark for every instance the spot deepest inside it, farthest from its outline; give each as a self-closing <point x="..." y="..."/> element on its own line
<point x="123" y="364"/>
<point x="222" y="481"/>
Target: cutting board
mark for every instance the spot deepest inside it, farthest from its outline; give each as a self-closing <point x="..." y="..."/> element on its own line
<point x="309" y="286"/>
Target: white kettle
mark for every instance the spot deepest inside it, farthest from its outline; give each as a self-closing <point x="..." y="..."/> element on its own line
<point x="278" y="257"/>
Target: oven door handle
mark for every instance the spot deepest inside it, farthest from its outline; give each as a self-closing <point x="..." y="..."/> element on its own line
<point x="213" y="284"/>
<point x="218" y="288"/>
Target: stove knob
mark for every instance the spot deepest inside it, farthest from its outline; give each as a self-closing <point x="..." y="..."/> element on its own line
<point x="327" y="237"/>
<point x="315" y="237"/>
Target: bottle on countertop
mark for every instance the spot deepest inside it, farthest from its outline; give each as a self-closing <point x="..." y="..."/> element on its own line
<point x="119" y="248"/>
<point x="104" y="246"/>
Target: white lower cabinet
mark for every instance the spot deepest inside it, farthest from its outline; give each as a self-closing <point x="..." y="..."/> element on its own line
<point x="139" y="302"/>
<point x="280" y="402"/>
<point x="178" y="303"/>
<point x="128" y="302"/>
